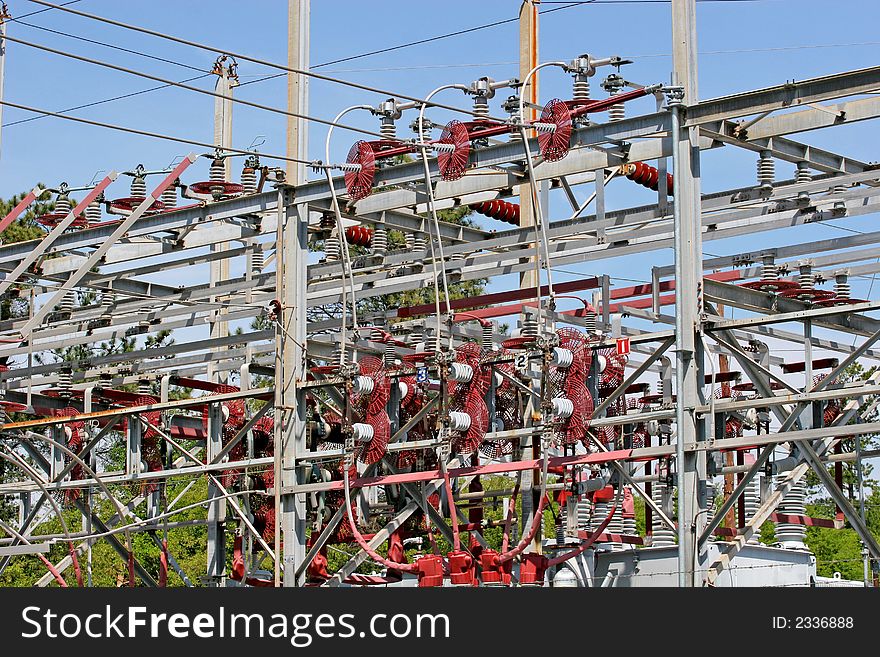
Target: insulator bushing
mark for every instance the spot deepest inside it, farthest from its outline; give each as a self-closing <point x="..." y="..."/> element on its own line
<point x="362" y="432"/>
<point x="591" y="321"/>
<point x="487" y="341"/>
<point x="249" y="179"/>
<point x="766" y="170"/>
<point x="646" y="176"/>
<point x="359" y="235"/>
<point x="67" y="303"/>
<point x="662" y="536"/>
<point x="416" y="334"/>
<point x="62" y="205"/>
<point x="617" y="112"/>
<point x="562" y="358"/>
<point x="389" y="355"/>
<point x="803" y="174"/>
<point x="753" y="504"/>
<point x="217" y="172"/>
<point x="530" y="327"/>
<point x="791" y="535"/>
<point x="562" y="408"/>
<point x="481" y="107"/>
<point x="580" y="87"/>
<point x="138" y="187"/>
<point x="498" y="209"/>
<point x="419" y="242"/>
<point x="380" y="240"/>
<point x="258" y="260"/>
<point x="461" y="372"/>
<point x="144" y="387"/>
<point x="805" y="275"/>
<point x="169" y="198"/>
<point x="65" y="380"/>
<point x="459" y="421"/>
<point x="387" y="128"/>
<point x="584" y="513"/>
<point x="93" y="213"/>
<point x="841" y="284"/>
<point x="363" y="385"/>
<point x="108" y="300"/>
<point x="332" y="248"/>
<point x="769" y="270"/>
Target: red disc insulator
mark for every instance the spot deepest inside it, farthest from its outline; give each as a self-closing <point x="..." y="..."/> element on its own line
<point x="840" y="301"/>
<point x="498" y="209"/>
<point x="359" y="184"/>
<point x="647" y="176"/>
<point x="359" y="235"/>
<point x="453" y="164"/>
<point x="206" y="190"/>
<point x="12" y="407"/>
<point x="770" y="286"/>
<point x="128" y="204"/>
<point x="555" y="144"/>
<point x="54" y="218"/>
<point x="807" y="294"/>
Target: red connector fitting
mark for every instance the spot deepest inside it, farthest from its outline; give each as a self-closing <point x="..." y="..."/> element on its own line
<point x="461" y="568"/>
<point x="430" y="569"/>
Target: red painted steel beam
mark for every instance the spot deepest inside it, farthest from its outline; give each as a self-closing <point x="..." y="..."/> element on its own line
<point x="489" y="468"/>
<point x="29" y="198"/>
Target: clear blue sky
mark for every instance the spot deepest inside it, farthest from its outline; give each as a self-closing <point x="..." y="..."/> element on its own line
<point x="744" y="45"/>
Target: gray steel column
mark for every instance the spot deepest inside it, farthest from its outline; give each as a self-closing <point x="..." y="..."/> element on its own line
<point x="216" y="549"/>
<point x="291" y="399"/>
<point x="3" y="16"/>
<point x="688" y="298"/>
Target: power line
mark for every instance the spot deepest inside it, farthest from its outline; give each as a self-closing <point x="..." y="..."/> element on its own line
<point x="106" y="45"/>
<point x="145" y="133"/>
<point x="255" y="60"/>
<point x="206" y="92"/>
<point x="40" y="11"/>
<point x="105" y="100"/>
<point x="268" y="77"/>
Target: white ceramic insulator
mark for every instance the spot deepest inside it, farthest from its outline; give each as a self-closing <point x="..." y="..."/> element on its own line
<point x="461" y="372"/>
<point x="653" y="428"/>
<point x="459" y="421"/>
<point x="363" y="385"/>
<point x="544" y="127"/>
<point x="403" y="388"/>
<point x="562" y="408"/>
<point x="562" y="358"/>
<point x="752" y="417"/>
<point x="603" y="363"/>
<point x="362" y="433"/>
<point x="443" y="148"/>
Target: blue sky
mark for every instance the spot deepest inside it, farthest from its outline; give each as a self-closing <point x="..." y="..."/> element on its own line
<point x="744" y="45"/>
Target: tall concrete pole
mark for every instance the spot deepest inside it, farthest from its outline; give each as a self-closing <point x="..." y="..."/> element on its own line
<point x="292" y="241"/>
<point x="690" y="468"/>
<point x="528" y="59"/>
<point x="226" y="82"/>
<point x="297" y="87"/>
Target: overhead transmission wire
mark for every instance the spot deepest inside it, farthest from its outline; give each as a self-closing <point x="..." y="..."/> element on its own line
<point x="260" y="79"/>
<point x="148" y="76"/>
<point x="255" y="60"/>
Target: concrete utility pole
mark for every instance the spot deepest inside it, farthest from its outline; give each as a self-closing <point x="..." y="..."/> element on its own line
<point x="292" y="244"/>
<point x="227" y="80"/>
<point x="297" y="87"/>
<point x="690" y="469"/>
<point x="529" y="279"/>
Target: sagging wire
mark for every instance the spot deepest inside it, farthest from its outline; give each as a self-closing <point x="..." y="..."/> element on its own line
<point x="343" y="239"/>
<point x="423" y="149"/>
<point x="540" y="227"/>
